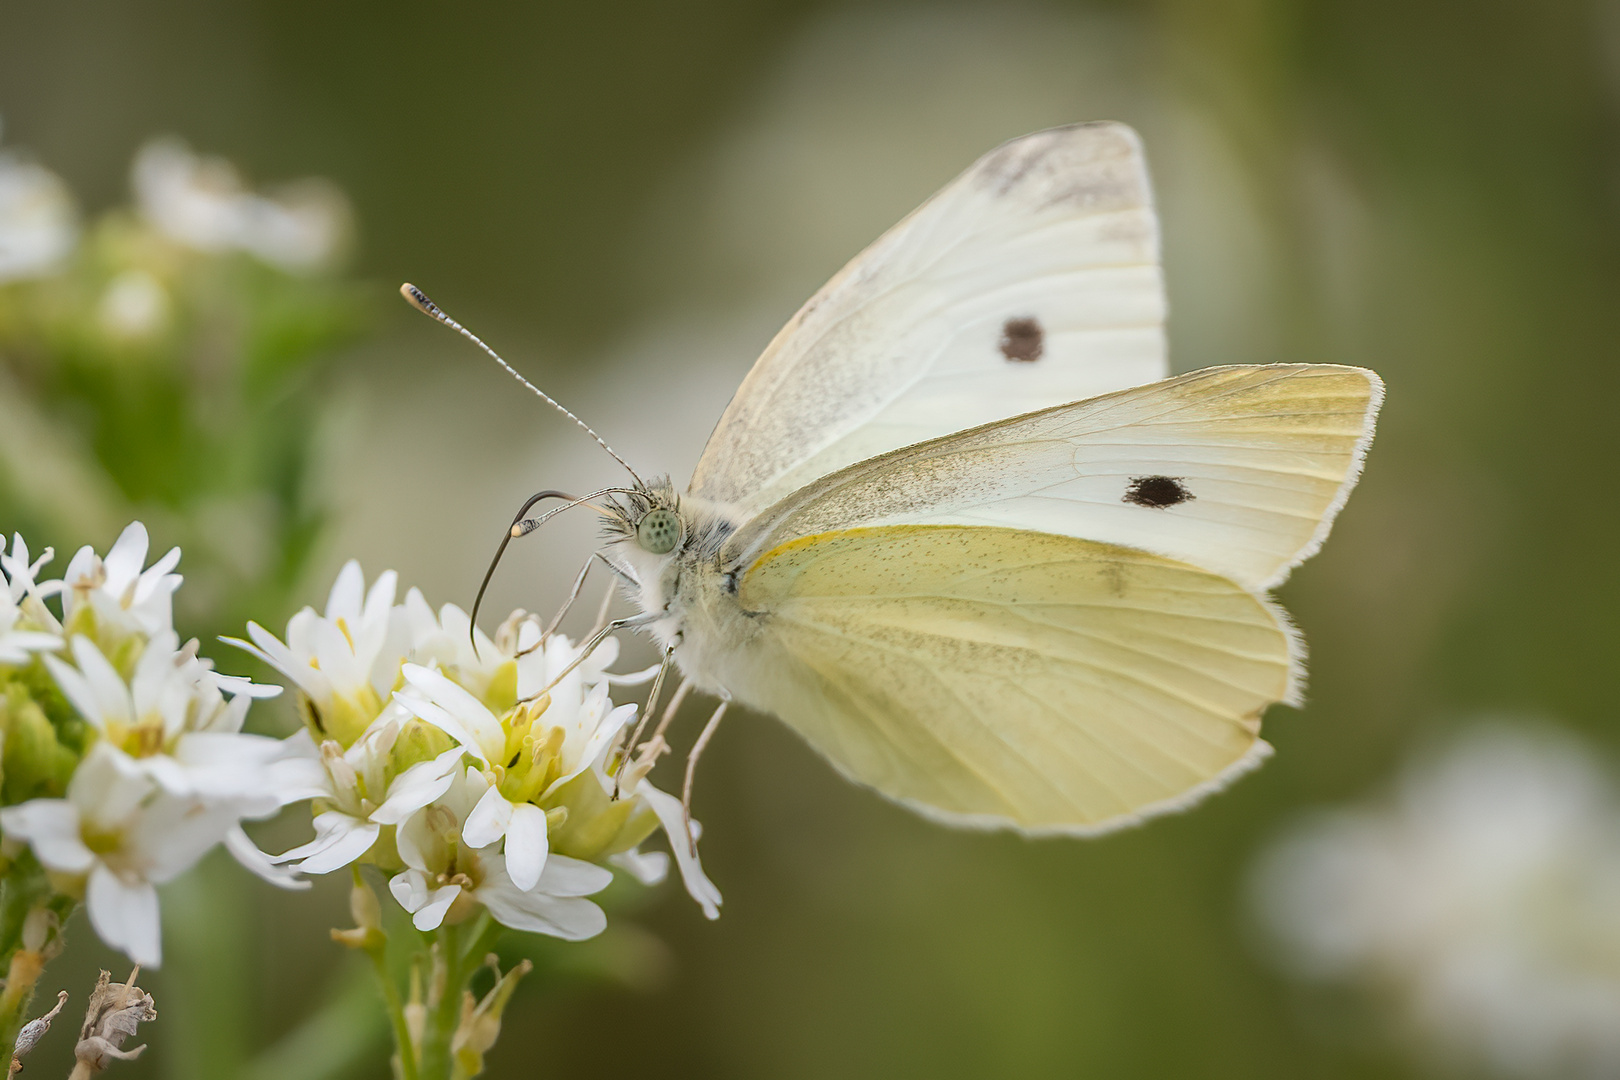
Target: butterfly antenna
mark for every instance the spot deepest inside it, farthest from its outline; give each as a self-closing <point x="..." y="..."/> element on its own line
<point x="506" y="538"/>
<point x="418" y="300"/>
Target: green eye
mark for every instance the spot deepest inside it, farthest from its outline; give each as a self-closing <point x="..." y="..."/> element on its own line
<point x="658" y="531"/>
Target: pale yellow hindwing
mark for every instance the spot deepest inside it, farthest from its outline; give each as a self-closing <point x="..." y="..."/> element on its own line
<point x="1007" y="678"/>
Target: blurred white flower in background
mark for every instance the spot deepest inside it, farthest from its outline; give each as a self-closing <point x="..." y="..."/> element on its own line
<point x="38" y="222"/>
<point x="172" y="720"/>
<point x="1481" y="898"/>
<point x="120" y="593"/>
<point x="125" y="836"/>
<point x="166" y="773"/>
<point x="203" y="203"/>
<point x="26" y="625"/>
<point x="134" y="305"/>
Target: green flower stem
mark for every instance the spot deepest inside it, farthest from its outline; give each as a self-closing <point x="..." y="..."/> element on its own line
<point x="460" y="951"/>
<point x="22" y="974"/>
<point x="396" y="1012"/>
<point x="444" y="1003"/>
<point x="22" y="889"/>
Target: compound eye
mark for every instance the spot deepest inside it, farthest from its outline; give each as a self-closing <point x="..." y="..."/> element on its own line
<point x="658" y="531"/>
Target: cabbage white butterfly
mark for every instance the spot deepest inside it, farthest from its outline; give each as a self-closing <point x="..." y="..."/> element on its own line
<point x="959" y="530"/>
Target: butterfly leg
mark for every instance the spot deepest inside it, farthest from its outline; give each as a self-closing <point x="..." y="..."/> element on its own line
<point x="669" y="712"/>
<point x="607" y="602"/>
<point x="641" y="725"/>
<point x="573" y="594"/>
<point x="602" y="634"/>
<point x="691" y="766"/>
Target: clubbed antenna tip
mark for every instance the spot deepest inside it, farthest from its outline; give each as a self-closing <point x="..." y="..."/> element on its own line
<point x="418" y="300"/>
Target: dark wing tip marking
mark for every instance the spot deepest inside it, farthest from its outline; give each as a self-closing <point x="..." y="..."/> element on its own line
<point x="1022" y="339"/>
<point x="1157" y="492"/>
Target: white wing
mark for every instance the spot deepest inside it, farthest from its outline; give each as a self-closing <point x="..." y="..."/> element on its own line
<point x="1236" y="470"/>
<point x="1030" y="281"/>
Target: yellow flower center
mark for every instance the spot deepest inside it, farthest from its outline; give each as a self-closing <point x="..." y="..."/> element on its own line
<point x="143" y="738"/>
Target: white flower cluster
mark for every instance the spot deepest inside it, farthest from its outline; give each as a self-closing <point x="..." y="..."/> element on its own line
<point x="197" y="202"/>
<point x="202" y="202"/>
<point x="160" y="771"/>
<point x="1482" y="899"/>
<point x="485" y="776"/>
<point x="474" y="776"/>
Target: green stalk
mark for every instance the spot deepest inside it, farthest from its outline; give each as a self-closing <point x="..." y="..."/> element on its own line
<point x="23" y="888"/>
<point x="461" y="951"/>
<point x="396" y="1014"/>
<point x="444" y="1003"/>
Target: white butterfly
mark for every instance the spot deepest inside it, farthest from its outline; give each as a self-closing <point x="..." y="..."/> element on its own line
<point x="959" y="531"/>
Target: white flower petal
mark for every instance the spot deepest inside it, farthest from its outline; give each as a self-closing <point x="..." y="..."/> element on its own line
<point x="298" y="773"/>
<point x="348" y="589"/>
<point x="150" y="600"/>
<point x="415" y="843"/>
<point x="564" y="876"/>
<point x="335" y="657"/>
<point x="111" y="693"/>
<point x="125" y="915"/>
<point x="526" y="845"/>
<point x="633" y="678"/>
<point x="171" y="835"/>
<point x="417" y="786"/>
<point x="471" y="713"/>
<point x="380" y="599"/>
<point x="51" y="826"/>
<point x="242" y="685"/>
<point x="339" y="840"/>
<point x="431" y="913"/>
<point x="169" y="774"/>
<point x="569" y="918"/>
<point x="409" y="888"/>
<point x="109" y="787"/>
<point x="425" y="710"/>
<point x="126" y="557"/>
<point x="601" y="739"/>
<point x="267" y="647"/>
<point x="672" y="817"/>
<point x="76" y="688"/>
<point x="488" y="821"/>
<point x="32" y="640"/>
<point x="647" y="867"/>
<point x="246" y="852"/>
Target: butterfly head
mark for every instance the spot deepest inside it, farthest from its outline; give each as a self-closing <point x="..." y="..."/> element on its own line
<point x="646" y="516"/>
<point x="645" y="529"/>
<point x="656" y="539"/>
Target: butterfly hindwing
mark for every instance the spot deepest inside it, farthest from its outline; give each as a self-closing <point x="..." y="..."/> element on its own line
<point x="998" y="677"/>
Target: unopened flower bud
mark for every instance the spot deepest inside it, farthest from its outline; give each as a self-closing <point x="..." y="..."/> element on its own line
<point x="367" y="914"/>
<point x="39" y="930"/>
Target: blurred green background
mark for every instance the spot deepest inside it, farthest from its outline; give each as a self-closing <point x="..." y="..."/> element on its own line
<point x="627" y="199"/>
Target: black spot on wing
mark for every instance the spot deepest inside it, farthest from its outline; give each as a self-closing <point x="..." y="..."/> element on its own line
<point x="1157" y="492"/>
<point x="1022" y="339"/>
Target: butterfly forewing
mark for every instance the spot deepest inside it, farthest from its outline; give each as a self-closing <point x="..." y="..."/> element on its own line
<point x="1237" y="470"/>
<point x="1032" y="280"/>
